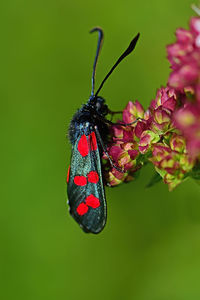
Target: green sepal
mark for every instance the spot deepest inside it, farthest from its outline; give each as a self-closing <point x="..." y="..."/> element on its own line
<point x="155" y="179"/>
<point x="195" y="173"/>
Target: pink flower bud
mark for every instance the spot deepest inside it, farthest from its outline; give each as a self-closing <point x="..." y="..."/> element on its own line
<point x="117" y="131"/>
<point x="165" y="98"/>
<point x="161" y="116"/>
<point x="185" y="76"/>
<point x="140" y="127"/>
<point x="115" y="152"/>
<point x="187" y="119"/>
<point x="148" y="137"/>
<point x="184" y="36"/>
<point x="133" y="111"/>
<point x="177" y="143"/>
<point x="128" y="135"/>
<point x="195" y="25"/>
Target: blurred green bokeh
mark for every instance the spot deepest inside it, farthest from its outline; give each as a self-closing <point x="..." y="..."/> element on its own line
<point x="150" y="248"/>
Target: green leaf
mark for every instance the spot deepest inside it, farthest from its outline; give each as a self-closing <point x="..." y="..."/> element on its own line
<point x="155" y="179"/>
<point x="195" y="173"/>
<point x="161" y="172"/>
<point x="197" y="181"/>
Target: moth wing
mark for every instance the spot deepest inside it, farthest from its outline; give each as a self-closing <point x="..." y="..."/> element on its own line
<point x="85" y="185"/>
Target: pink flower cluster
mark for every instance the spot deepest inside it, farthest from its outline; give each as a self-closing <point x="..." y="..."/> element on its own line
<point x="152" y="138"/>
<point x="184" y="56"/>
<point x="167" y="134"/>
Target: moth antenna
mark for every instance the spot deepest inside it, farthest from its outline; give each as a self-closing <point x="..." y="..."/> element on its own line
<point x="124" y="54"/>
<point x="196" y="9"/>
<point x="99" y="44"/>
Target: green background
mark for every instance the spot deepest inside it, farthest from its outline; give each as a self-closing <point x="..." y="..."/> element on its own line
<point x="150" y="248"/>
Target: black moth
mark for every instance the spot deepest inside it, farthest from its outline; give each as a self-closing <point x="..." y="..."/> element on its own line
<point x="88" y="134"/>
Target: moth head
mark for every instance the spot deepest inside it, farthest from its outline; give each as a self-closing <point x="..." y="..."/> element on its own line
<point x="100" y="106"/>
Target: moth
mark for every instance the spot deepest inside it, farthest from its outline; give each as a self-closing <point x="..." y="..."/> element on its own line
<point x="88" y="134"/>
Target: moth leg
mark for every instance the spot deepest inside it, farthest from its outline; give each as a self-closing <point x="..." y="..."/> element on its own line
<point x="119" y="124"/>
<point x="105" y="151"/>
<point x="127" y="124"/>
<point x="112" y="113"/>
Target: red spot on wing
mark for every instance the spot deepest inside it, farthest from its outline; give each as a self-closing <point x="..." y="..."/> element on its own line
<point x="92" y="201"/>
<point x="82" y="209"/>
<point x="93" y="177"/>
<point x="80" y="180"/>
<point x="93" y="141"/>
<point x="83" y="145"/>
<point x="68" y="174"/>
